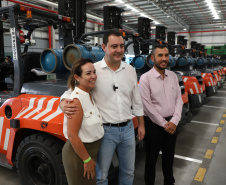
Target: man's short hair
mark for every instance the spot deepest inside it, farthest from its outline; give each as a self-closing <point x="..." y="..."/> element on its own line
<point x="109" y="33"/>
<point x="161" y="46"/>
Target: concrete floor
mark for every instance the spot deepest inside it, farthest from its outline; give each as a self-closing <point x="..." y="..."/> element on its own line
<point x="193" y="141"/>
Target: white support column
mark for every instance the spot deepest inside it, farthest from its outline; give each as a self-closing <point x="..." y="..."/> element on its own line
<point x="96" y="39"/>
<point x="189" y="40"/>
<point x="53" y="35"/>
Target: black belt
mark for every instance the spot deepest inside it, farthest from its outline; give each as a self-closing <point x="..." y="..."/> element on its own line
<point x="117" y="124"/>
<point x="168" y="118"/>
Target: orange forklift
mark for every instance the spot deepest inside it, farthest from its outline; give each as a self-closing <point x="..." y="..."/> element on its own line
<point x="193" y="81"/>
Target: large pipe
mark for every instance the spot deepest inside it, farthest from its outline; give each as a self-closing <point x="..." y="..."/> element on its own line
<point x="33" y="6"/>
<point x="51" y="61"/>
<point x="185" y="60"/>
<point x="172" y="61"/>
<point x="46" y="9"/>
<point x="74" y="52"/>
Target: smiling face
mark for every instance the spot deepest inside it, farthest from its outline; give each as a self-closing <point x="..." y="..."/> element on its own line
<point x="88" y="77"/>
<point x="160" y="58"/>
<point x="114" y="50"/>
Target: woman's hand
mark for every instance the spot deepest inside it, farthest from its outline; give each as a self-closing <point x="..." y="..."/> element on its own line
<point x="90" y="169"/>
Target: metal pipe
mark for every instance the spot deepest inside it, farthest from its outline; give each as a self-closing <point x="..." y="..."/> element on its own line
<point x="50" y="37"/>
<point x="33" y="6"/>
<point x="46" y="9"/>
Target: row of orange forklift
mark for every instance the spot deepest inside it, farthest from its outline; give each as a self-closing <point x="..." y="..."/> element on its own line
<point x="199" y="74"/>
<point x="31" y="122"/>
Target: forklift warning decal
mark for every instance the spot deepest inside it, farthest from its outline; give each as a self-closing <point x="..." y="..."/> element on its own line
<point x="35" y="113"/>
<point x="13" y="36"/>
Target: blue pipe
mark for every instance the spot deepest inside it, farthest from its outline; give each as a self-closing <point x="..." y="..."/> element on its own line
<point x="51" y="61"/>
<point x="74" y="52"/>
<point x="185" y="60"/>
<point x="138" y="61"/>
<point x="172" y="61"/>
<point x="201" y="61"/>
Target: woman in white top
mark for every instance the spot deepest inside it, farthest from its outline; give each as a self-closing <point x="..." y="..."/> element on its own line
<point x="84" y="130"/>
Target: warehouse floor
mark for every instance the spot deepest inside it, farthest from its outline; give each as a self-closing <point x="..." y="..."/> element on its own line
<point x="193" y="165"/>
<point x="194" y="162"/>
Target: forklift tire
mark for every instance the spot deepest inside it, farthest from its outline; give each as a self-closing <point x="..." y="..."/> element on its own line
<point x="39" y="161"/>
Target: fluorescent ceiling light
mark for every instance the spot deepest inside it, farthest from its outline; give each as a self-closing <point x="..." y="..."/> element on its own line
<point x="120" y="1"/>
<point x="143" y="15"/>
<point x="185" y="29"/>
<point x="94" y="17"/>
<point x="133" y="9"/>
<point x="210" y="4"/>
<point x="156" y="22"/>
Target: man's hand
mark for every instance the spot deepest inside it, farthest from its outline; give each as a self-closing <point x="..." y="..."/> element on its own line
<point x="170" y="127"/>
<point x="141" y="132"/>
<point x="67" y="108"/>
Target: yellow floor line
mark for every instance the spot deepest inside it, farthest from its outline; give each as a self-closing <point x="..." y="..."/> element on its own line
<point x="214" y="140"/>
<point x="200" y="174"/>
<point x="209" y="154"/>
<point x="219" y="129"/>
<point x="222" y="121"/>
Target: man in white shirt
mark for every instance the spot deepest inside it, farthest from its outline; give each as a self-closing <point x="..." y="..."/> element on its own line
<point x="117" y="96"/>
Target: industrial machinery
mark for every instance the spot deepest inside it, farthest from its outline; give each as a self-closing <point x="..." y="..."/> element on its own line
<point x="200" y="64"/>
<point x="143" y="63"/>
<point x="183" y="64"/>
<point x="211" y="66"/>
<point x="31" y="121"/>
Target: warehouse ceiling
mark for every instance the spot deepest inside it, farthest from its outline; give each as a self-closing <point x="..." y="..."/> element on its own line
<point x="176" y="15"/>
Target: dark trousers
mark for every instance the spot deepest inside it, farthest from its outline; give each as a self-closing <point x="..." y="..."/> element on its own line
<point x="156" y="139"/>
<point x="74" y="166"/>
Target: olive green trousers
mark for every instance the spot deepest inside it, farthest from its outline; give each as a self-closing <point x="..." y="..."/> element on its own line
<point x="74" y="166"/>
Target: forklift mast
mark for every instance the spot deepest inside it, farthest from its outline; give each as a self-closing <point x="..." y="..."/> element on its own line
<point x="76" y="9"/>
<point x="1" y="38"/>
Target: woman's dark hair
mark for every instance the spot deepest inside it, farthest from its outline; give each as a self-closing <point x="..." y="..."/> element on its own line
<point x="76" y="69"/>
<point x="109" y="33"/>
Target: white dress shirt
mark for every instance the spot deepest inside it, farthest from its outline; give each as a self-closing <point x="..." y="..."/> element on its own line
<point x="117" y="105"/>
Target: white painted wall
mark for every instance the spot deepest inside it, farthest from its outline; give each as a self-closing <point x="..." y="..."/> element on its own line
<point x="207" y="37"/>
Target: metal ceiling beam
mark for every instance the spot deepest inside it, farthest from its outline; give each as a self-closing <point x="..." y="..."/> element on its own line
<point x="165" y="8"/>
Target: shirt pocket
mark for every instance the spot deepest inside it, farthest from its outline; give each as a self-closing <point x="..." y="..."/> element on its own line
<point x="91" y="117"/>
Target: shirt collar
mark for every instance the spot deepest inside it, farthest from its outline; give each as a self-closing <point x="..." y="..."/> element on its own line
<point x="104" y="65"/>
<point x="157" y="74"/>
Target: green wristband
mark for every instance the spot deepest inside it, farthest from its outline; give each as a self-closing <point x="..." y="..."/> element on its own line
<point x="87" y="160"/>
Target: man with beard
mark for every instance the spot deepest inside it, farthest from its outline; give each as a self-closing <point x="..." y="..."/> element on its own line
<point x="162" y="102"/>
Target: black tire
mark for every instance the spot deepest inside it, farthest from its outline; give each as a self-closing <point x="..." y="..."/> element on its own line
<point x="39" y="161"/>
